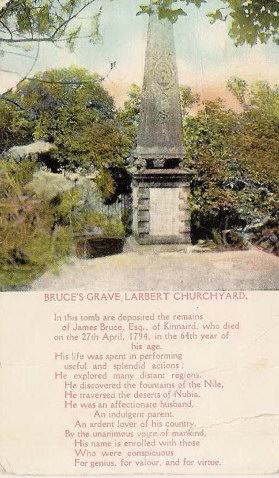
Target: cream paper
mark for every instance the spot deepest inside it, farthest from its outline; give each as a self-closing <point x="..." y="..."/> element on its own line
<point x="226" y="382"/>
<point x="181" y="382"/>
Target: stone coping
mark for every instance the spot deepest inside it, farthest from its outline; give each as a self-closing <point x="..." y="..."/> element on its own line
<point x="162" y="172"/>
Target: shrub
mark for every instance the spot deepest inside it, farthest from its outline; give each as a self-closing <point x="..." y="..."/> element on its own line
<point x="38" y="219"/>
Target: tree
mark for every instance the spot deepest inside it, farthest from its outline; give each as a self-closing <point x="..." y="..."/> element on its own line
<point x="25" y="24"/>
<point x="29" y="21"/>
<point x="250" y="21"/>
<point x="14" y="129"/>
<point x="128" y="116"/>
<point x="234" y="159"/>
<point x="211" y="157"/>
<point x="187" y="100"/>
<point x="67" y="108"/>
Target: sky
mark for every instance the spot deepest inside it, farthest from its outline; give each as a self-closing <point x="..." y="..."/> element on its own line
<point x="206" y="56"/>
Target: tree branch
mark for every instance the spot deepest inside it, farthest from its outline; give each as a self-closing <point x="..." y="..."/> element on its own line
<point x="71" y="17"/>
<point x="29" y="19"/>
<point x="51" y="37"/>
<point x="7" y="28"/>
<point x="40" y="39"/>
<point x="23" y="78"/>
<point x="18" y="54"/>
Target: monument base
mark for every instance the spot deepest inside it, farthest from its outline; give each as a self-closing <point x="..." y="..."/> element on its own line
<point x="161" y="206"/>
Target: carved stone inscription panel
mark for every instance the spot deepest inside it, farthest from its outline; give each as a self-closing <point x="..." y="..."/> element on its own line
<point x="164" y="211"/>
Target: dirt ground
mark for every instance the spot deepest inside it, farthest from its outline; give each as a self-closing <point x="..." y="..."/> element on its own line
<point x="167" y="268"/>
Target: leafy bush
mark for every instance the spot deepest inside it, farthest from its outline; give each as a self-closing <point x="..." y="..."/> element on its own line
<point x="29" y="240"/>
<point x="234" y="160"/>
<point x="39" y="215"/>
<point x="69" y="108"/>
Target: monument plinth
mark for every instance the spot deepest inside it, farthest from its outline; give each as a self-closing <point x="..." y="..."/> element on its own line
<point x="160" y="184"/>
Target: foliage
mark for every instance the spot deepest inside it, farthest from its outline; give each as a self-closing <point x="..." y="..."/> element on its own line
<point x="128" y="116"/>
<point x="28" y="243"/>
<point x="26" y="24"/>
<point x="68" y="108"/>
<point x="187" y="99"/>
<point x="165" y="8"/>
<point x="238" y="88"/>
<point x="265" y="235"/>
<point x="48" y="185"/>
<point x="39" y="215"/>
<point x="233" y="156"/>
<point x="15" y="130"/>
<point x="27" y="21"/>
<point x="234" y="160"/>
<point x="250" y="21"/>
<point x="109" y="226"/>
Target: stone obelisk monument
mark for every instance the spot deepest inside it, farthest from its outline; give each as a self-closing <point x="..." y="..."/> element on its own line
<point x="160" y="184"/>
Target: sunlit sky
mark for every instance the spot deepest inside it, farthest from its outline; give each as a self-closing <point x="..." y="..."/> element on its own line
<point x="206" y="56"/>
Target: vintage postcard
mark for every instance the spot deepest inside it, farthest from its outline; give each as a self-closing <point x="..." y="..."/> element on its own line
<point x="139" y="237"/>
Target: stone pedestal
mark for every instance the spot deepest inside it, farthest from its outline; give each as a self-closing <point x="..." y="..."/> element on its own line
<point x="160" y="207"/>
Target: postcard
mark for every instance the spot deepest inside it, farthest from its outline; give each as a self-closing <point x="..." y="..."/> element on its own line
<point x="139" y="237"/>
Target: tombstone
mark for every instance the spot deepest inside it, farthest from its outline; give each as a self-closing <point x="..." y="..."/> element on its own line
<point x="159" y="182"/>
